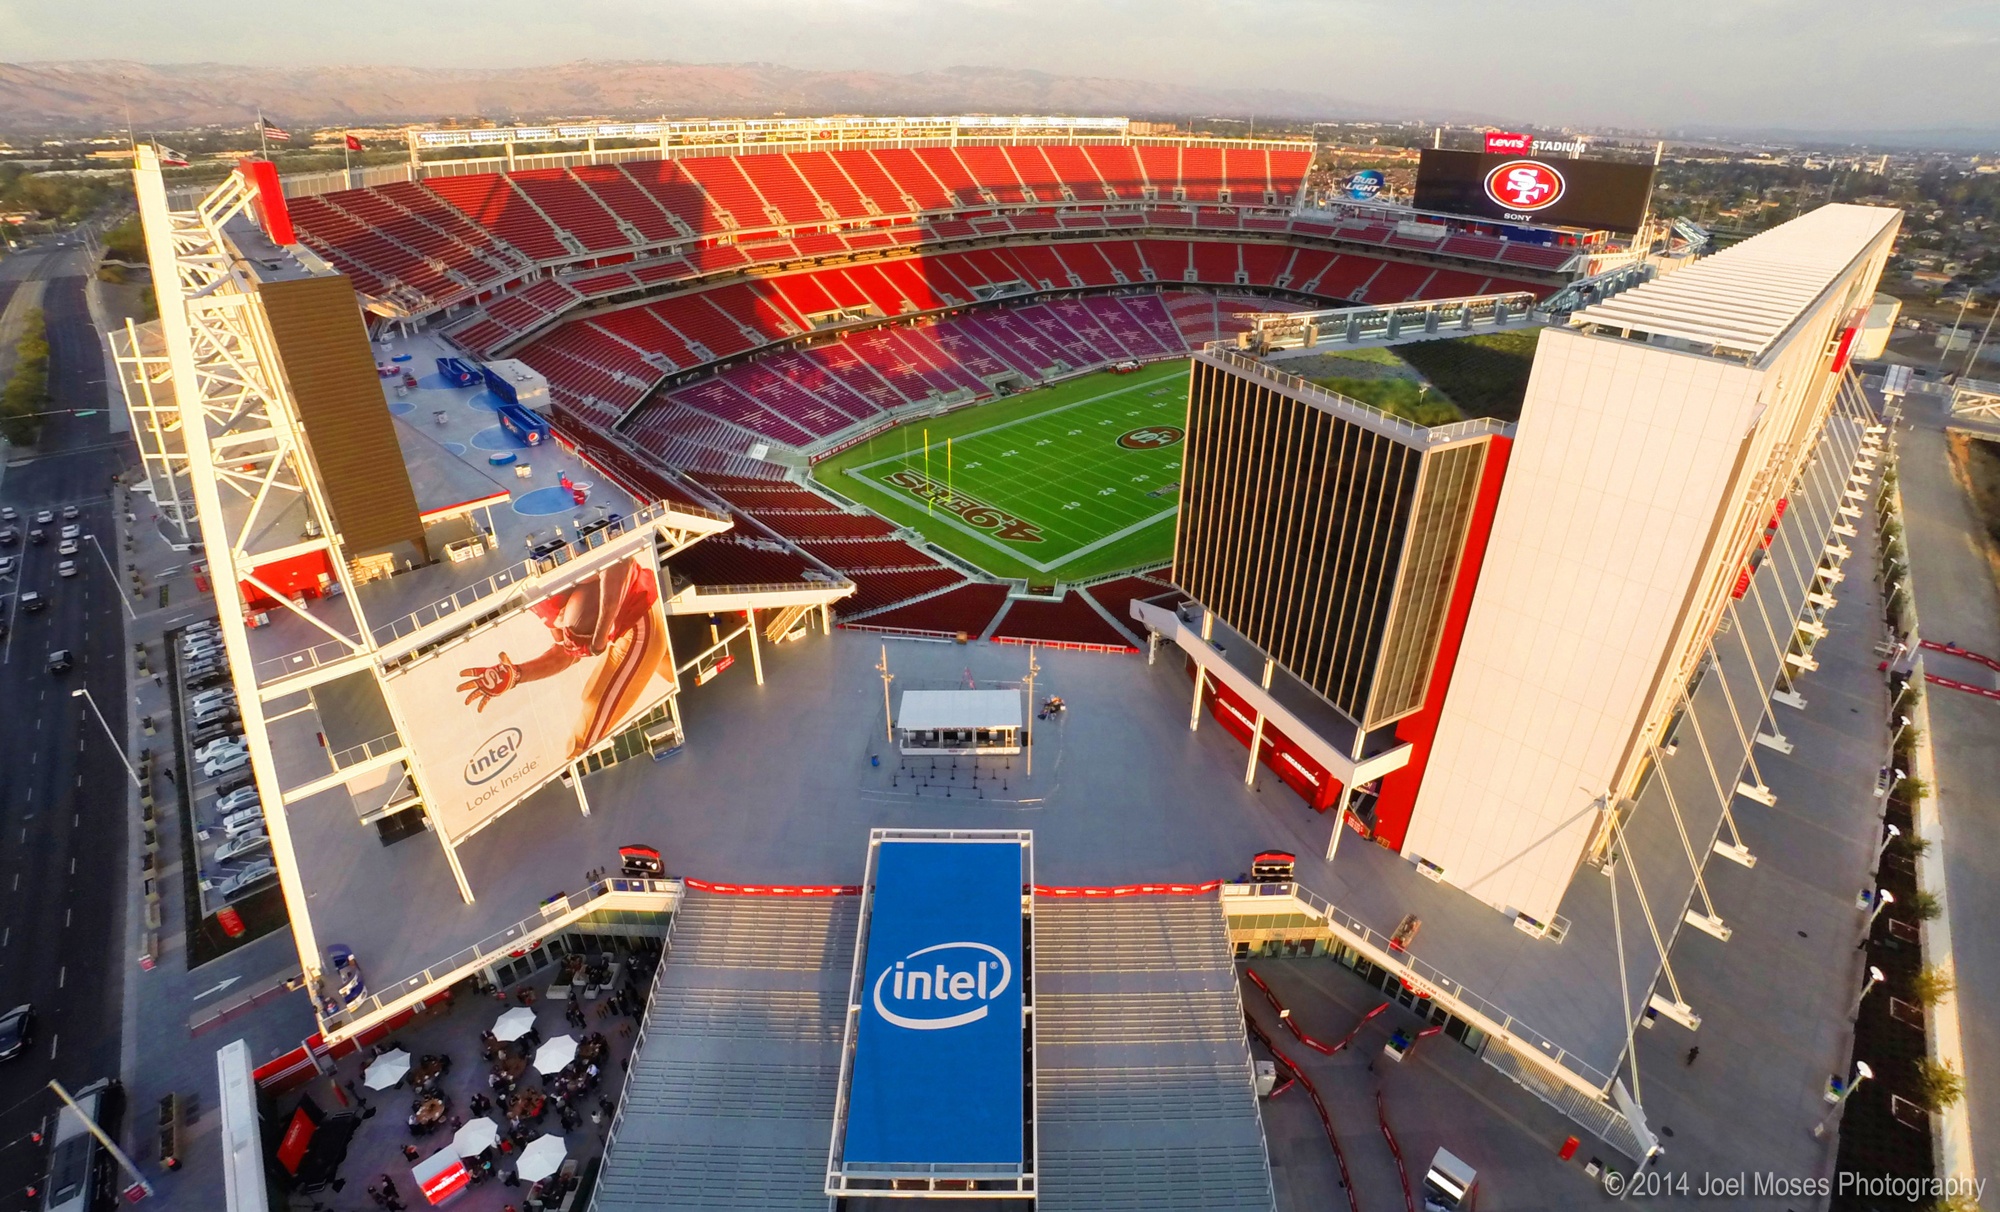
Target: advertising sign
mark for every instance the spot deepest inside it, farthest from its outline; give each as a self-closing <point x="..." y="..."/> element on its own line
<point x="1365" y="184"/>
<point x="1593" y="194"/>
<point x="1507" y="143"/>
<point x="938" y="1073"/>
<point x="492" y="718"/>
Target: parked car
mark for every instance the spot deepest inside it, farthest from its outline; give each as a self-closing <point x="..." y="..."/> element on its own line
<point x="246" y="844"/>
<point x="214" y="677"/>
<point x="69" y="513"/>
<point x="59" y="661"/>
<point x="8" y="566"/>
<point x="71" y="532"/>
<point x="8" y="514"/>
<point x="242" y="881"/>
<point x="38" y="536"/>
<point x="220" y="732"/>
<point x="44" y="516"/>
<point x="216" y="748"/>
<point x="242" y="821"/>
<point x="221" y="696"/>
<point x="17" y="1031"/>
<point x="66" y="569"/>
<point x="33" y="602"/>
<point x="229" y="763"/>
<point x="66" y="547"/>
<point x="223" y="713"/>
<point x="237" y="800"/>
<point x="9" y="536"/>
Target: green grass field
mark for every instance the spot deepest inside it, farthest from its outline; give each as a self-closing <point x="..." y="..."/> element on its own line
<point x="1058" y="484"/>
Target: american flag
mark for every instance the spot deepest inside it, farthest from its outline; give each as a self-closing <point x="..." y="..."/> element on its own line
<point x="275" y="133"/>
<point x="170" y="158"/>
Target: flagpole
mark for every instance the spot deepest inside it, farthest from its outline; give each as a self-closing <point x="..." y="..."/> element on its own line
<point x="927" y="469"/>
<point x="263" y="144"/>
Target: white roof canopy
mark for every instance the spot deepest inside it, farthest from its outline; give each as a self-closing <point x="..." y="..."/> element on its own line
<point x="924" y="710"/>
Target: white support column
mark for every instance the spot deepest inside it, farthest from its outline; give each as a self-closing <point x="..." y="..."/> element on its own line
<point x="1339" y="821"/>
<point x="576" y="784"/>
<point x="457" y="872"/>
<point x="756" y="649"/>
<point x="1256" y="743"/>
<point x="1194" y="712"/>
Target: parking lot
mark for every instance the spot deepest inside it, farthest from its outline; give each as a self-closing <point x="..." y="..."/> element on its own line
<point x="232" y="851"/>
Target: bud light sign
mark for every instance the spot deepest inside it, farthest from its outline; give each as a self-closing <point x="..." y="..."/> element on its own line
<point x="1365" y="184"/>
<point x="938" y="1066"/>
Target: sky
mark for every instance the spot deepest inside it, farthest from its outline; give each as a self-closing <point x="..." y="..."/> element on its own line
<point x="1799" y="64"/>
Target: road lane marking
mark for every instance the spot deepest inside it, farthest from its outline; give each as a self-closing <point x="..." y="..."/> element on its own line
<point x="62" y="977"/>
<point x="72" y="866"/>
<point x="53" y="1041"/>
<point x="66" y="915"/>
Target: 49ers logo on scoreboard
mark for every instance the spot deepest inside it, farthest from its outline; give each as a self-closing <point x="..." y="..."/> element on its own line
<point x="1153" y="437"/>
<point x="1525" y="185"/>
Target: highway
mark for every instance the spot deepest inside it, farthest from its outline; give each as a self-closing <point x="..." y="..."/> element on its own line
<point x="63" y="826"/>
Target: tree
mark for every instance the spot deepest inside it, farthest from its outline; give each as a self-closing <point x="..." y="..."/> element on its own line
<point x="1937" y="1084"/>
<point x="1932" y="985"/>
<point x="26" y="395"/>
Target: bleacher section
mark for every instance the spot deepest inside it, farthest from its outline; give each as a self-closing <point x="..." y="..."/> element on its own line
<point x="1071" y="620"/>
<point x="1142" y="1072"/>
<point x="447" y="239"/>
<point x="726" y="1100"/>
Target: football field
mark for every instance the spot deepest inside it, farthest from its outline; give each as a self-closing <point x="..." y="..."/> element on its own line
<point x="1057" y="484"/>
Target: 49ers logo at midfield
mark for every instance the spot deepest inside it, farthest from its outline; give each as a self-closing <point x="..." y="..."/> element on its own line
<point x="1152" y="437"/>
<point x="1525" y="185"/>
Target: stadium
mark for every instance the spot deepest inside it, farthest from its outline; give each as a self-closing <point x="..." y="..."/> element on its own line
<point x="759" y="432"/>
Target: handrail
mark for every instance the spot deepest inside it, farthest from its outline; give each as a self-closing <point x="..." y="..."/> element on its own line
<point x="1430" y="974"/>
<point x="500" y="944"/>
<point x="507" y="577"/>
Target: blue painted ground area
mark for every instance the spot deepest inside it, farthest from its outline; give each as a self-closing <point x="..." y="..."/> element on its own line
<point x="539" y="501"/>
<point x="485" y="401"/>
<point x="495" y="437"/>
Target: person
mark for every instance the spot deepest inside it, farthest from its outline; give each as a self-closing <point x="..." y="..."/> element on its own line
<point x="1693" y="1053"/>
<point x="388" y="1186"/>
<point x="410" y="1153"/>
<point x="614" y="616"/>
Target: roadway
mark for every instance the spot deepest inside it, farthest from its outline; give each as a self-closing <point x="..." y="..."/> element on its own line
<point x="63" y="827"/>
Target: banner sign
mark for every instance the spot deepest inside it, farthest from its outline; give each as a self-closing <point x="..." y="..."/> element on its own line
<point x="493" y="718"/>
<point x="1365" y="184"/>
<point x="972" y="510"/>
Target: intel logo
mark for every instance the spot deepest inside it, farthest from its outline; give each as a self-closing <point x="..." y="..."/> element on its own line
<point x="950" y="990"/>
<point x="495" y="754"/>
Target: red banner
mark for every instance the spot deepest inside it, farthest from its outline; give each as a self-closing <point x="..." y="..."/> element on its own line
<point x="298" y="1135"/>
<point x="1132" y="890"/>
<point x="774" y="889"/>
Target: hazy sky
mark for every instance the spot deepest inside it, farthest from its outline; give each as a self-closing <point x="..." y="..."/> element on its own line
<point x="1817" y="64"/>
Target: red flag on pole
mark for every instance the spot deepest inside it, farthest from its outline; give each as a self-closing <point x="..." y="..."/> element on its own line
<point x="353" y="144"/>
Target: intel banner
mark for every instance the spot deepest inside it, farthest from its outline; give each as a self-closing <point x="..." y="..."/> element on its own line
<point x="1592" y="194"/>
<point x="937" y="1075"/>
<point x="493" y="718"/>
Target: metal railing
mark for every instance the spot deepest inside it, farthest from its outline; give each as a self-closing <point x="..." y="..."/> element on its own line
<point x="1429" y="974"/>
<point x="272" y="669"/>
<point x="501" y="945"/>
<point x="354" y="755"/>
<point x="1374" y="418"/>
<point x="508" y="577"/>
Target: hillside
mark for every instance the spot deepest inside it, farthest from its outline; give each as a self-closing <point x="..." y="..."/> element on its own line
<point x="94" y="95"/>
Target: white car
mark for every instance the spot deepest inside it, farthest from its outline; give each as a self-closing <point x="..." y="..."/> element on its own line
<point x="210" y="698"/>
<point x="247" y="820"/>
<point x="237" y="847"/>
<point x="255" y="873"/>
<point x="237" y="800"/>
<point x="235" y="759"/>
<point x="66" y="569"/>
<point x="66" y="547"/>
<point x="217" y="747"/>
<point x="71" y="532"/>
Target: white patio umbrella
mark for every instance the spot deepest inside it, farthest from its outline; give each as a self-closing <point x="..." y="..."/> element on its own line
<point x="514" y="1023"/>
<point x="554" y="1054"/>
<point x="476" y="1137"/>
<point x="387" y="1070"/>
<point x="543" y="1157"/>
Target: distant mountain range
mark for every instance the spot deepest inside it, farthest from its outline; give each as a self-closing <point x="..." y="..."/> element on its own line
<point x="95" y="95"/>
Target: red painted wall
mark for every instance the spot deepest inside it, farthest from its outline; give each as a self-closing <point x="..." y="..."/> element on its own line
<point x="1293" y="765"/>
<point x="1398" y="794"/>
<point x="299" y="574"/>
